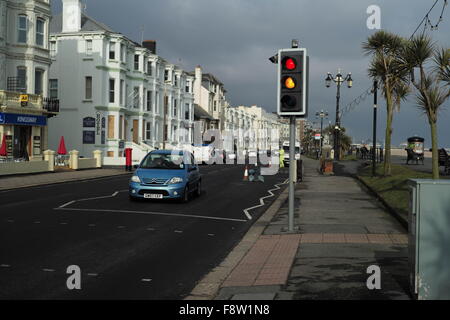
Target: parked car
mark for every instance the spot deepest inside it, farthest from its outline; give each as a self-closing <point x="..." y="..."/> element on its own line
<point x="166" y="174"/>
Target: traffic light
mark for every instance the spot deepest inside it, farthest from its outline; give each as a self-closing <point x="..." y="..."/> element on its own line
<point x="292" y="82"/>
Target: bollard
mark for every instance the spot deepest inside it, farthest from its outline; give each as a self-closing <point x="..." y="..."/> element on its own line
<point x="49" y="155"/>
<point x="73" y="160"/>
<point x="98" y="158"/>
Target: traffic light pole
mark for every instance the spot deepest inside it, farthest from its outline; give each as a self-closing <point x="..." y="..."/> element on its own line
<point x="374" y="154"/>
<point x="292" y="173"/>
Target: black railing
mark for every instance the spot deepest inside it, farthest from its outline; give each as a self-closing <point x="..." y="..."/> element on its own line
<point x="51" y="104"/>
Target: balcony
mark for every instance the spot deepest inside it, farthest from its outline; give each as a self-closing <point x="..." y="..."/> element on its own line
<point x="10" y="100"/>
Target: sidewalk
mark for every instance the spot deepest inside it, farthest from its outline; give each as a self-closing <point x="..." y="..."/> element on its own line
<point x="29" y="180"/>
<point x="342" y="231"/>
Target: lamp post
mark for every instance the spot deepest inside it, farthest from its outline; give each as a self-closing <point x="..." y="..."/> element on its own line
<point x="322" y="114"/>
<point x="338" y="79"/>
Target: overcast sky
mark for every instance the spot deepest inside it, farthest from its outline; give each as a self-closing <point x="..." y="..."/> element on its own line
<point x="233" y="40"/>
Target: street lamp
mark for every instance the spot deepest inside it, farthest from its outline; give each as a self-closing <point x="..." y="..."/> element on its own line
<point x="338" y="79"/>
<point x="322" y="114"/>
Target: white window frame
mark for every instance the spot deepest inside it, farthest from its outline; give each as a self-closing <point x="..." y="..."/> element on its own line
<point x="20" y="29"/>
<point x="40" y="34"/>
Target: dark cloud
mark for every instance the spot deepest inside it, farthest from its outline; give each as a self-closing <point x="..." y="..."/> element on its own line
<point x="233" y="39"/>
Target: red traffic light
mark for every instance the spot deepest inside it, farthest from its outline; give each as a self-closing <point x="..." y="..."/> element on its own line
<point x="290" y="63"/>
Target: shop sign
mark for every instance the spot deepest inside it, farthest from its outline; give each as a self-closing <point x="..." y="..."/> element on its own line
<point x="22" y="119"/>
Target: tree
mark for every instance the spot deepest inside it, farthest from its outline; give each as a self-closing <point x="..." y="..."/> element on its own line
<point x="433" y="84"/>
<point x="386" y="66"/>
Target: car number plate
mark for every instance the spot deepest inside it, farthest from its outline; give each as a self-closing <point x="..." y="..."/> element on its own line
<point x="153" y="196"/>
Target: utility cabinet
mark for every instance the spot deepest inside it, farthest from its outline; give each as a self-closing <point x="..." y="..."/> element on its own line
<point x="429" y="239"/>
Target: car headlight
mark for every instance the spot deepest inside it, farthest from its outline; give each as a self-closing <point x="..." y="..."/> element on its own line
<point x="135" y="179"/>
<point x="175" y="180"/>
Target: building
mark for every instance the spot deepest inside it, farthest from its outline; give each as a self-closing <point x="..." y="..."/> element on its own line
<point x="24" y="68"/>
<point x="115" y="93"/>
<point x="209" y="94"/>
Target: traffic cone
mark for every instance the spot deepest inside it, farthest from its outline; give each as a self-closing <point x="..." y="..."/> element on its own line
<point x="245" y="174"/>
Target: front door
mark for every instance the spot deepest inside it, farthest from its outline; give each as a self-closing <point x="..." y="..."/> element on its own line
<point x="135" y="131"/>
<point x="22" y="142"/>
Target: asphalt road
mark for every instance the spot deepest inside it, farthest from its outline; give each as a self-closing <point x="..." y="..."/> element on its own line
<point x="125" y="250"/>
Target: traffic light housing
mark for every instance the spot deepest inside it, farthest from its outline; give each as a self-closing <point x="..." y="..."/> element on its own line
<point x="292" y="82"/>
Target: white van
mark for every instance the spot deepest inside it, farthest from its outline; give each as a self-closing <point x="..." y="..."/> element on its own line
<point x="286" y="149"/>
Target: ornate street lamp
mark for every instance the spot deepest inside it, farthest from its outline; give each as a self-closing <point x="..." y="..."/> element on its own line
<point x="338" y="79"/>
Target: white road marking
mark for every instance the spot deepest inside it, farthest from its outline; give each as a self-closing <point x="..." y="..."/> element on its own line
<point x="48" y="270"/>
<point x="211" y="234"/>
<point x="5" y="265"/>
<point x="153" y="213"/>
<point x="146" y="280"/>
<point x="178" y="231"/>
<point x="261" y="200"/>
<point x="95" y="198"/>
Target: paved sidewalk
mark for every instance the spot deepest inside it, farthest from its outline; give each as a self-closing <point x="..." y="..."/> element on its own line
<point x="29" y="180"/>
<point x="342" y="231"/>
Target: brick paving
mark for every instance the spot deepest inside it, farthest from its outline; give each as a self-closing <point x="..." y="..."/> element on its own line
<point x="270" y="260"/>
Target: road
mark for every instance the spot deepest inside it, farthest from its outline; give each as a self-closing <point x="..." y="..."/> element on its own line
<point x="125" y="250"/>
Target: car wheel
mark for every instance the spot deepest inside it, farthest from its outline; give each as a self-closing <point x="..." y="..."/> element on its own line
<point x="185" y="197"/>
<point x="199" y="188"/>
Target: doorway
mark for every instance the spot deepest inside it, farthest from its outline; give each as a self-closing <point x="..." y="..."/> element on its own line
<point x="135" y="131"/>
<point x="22" y="142"/>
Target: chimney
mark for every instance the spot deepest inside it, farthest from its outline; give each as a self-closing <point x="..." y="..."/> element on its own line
<point x="150" y="45"/>
<point x="71" y="16"/>
<point x="198" y="86"/>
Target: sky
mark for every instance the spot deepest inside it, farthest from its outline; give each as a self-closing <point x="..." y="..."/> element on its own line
<point x="233" y="40"/>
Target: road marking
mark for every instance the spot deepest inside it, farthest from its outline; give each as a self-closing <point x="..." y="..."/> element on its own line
<point x="211" y="234"/>
<point x="95" y="198"/>
<point x="150" y="229"/>
<point x="178" y="231"/>
<point x="261" y="200"/>
<point x="153" y="213"/>
<point x="48" y="270"/>
<point x="146" y="280"/>
<point x="5" y="265"/>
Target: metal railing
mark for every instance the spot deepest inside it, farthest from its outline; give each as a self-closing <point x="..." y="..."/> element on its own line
<point x="51" y="105"/>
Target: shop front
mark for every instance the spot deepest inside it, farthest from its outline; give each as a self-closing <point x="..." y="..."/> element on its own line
<point x="24" y="134"/>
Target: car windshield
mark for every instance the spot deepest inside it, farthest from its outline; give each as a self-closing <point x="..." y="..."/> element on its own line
<point x="163" y="161"/>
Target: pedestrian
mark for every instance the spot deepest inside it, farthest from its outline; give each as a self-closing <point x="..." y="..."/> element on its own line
<point x="281" y="158"/>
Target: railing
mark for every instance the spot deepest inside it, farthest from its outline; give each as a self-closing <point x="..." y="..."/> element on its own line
<point x="51" y="105"/>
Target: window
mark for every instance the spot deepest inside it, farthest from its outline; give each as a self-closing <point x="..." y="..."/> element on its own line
<point x="38" y="81"/>
<point x="136" y="62"/>
<point x="187" y="89"/>
<point x="112" y="83"/>
<point x="52" y="48"/>
<point x="53" y="88"/>
<point x="186" y="112"/>
<point x="149" y="100"/>
<point x="111" y="122"/>
<point x="166" y="75"/>
<point x="112" y="50"/>
<point x="88" y="88"/>
<point x="215" y="105"/>
<point x="122" y="83"/>
<point x="148" y="131"/>
<point x="121" y="127"/>
<point x="22" y="79"/>
<point x="136" y="97"/>
<point x="176" y="81"/>
<point x="88" y="47"/>
<point x="22" y="29"/>
<point x="40" y="23"/>
<point x="175" y="108"/>
<point x="149" y="68"/>
<point x="122" y="52"/>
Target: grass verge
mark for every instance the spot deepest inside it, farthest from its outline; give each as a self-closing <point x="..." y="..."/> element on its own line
<point x="392" y="190"/>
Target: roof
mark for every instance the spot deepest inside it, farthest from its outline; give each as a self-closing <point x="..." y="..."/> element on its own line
<point x="87" y="24"/>
<point x="201" y="113"/>
<point x="206" y="76"/>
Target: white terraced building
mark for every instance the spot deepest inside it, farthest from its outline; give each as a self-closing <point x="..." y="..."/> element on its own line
<point x="24" y="68"/>
<point x="114" y="93"/>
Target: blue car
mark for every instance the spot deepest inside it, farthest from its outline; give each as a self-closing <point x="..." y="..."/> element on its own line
<point x="166" y="174"/>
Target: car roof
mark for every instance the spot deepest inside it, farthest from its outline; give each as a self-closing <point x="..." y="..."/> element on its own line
<point x="168" y="151"/>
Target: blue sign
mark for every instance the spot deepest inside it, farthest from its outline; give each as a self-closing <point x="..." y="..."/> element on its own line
<point x="22" y="119"/>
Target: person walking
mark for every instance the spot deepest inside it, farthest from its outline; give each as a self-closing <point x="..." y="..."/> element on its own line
<point x="281" y="158"/>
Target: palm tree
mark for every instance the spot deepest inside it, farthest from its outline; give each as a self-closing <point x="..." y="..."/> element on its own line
<point x="387" y="67"/>
<point x="433" y="84"/>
